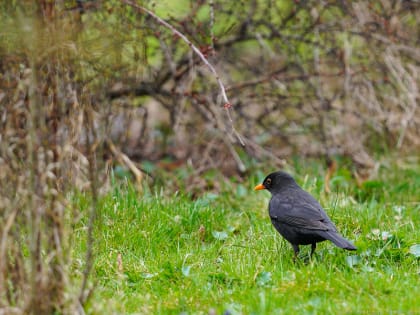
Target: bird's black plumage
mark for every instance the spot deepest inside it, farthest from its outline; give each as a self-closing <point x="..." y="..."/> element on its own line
<point x="297" y="216"/>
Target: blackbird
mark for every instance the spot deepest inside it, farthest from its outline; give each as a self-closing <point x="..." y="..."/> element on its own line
<point x="297" y="216"/>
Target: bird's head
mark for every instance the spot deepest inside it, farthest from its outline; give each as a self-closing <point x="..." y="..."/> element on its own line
<point x="276" y="181"/>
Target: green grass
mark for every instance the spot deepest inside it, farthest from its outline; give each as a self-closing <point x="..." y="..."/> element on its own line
<point x="220" y="252"/>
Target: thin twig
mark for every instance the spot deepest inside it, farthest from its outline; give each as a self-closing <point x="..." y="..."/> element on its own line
<point x="211" y="3"/>
<point x="125" y="160"/>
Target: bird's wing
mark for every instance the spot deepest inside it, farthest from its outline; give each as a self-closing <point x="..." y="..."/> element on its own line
<point x="302" y="212"/>
<point x="303" y="223"/>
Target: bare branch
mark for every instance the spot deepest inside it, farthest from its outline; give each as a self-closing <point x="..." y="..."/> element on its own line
<point x="227" y="104"/>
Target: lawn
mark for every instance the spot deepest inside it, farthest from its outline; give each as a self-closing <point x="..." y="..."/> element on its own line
<point x="158" y="253"/>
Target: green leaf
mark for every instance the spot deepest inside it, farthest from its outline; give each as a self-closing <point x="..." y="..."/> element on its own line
<point x="241" y="191"/>
<point x="233" y="309"/>
<point x="121" y="172"/>
<point x="353" y="260"/>
<point x="220" y="235"/>
<point x="263" y="278"/>
<point x="146" y="275"/>
<point x="207" y="199"/>
<point x="415" y="250"/>
<point x="148" y="166"/>
<point x="186" y="270"/>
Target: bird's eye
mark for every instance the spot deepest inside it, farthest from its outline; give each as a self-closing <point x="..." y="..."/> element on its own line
<point x="268" y="181"/>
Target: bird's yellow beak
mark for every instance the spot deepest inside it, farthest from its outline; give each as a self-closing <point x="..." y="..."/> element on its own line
<point x="259" y="187"/>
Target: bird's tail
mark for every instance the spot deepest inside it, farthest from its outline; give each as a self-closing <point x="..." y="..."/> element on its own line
<point x="340" y="241"/>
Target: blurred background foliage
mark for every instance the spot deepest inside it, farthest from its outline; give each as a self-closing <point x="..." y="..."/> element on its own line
<point x="305" y="78"/>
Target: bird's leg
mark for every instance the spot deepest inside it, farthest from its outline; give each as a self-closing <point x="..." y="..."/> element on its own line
<point x="296" y="250"/>
<point x="313" y="246"/>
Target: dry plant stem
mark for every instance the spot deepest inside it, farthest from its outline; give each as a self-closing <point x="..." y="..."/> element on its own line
<point x="35" y="207"/>
<point x="240" y="165"/>
<point x="320" y="95"/>
<point x="332" y="167"/>
<point x="406" y="83"/>
<point x="125" y="160"/>
<point x="211" y="4"/>
<point x="83" y="296"/>
<point x="3" y="245"/>
<point x="227" y="103"/>
<point x="168" y="56"/>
